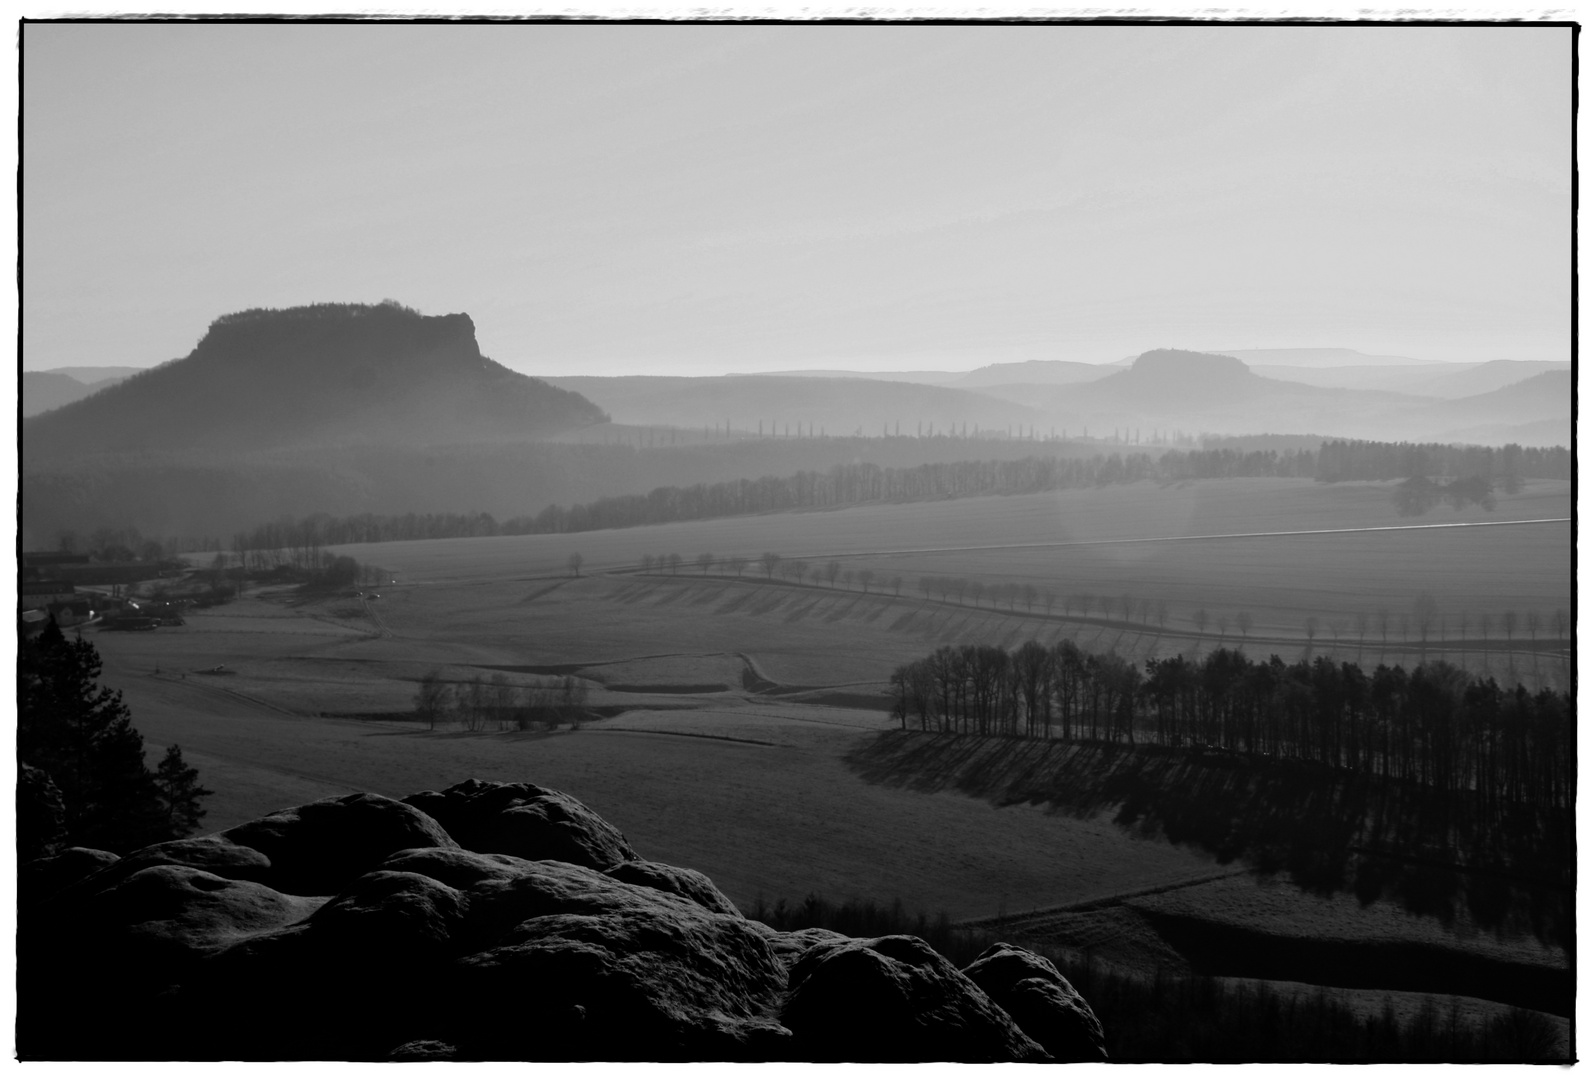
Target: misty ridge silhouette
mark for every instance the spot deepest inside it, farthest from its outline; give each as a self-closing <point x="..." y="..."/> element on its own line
<point x="325" y="374"/>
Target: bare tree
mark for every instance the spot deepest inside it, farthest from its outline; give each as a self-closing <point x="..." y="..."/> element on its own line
<point x="647" y="563"/>
<point x="1382" y="620"/>
<point x="975" y="589"/>
<point x="1312" y="631"/>
<point x="1030" y="597"/>
<point x="1424" y="611"/>
<point x="431" y="698"/>
<point x="832" y="569"/>
<point x="847" y="579"/>
<point x="705" y="561"/>
<point x="769" y="560"/>
<point x="1199" y="618"/>
<point x="1531" y="620"/>
<point x="737" y="563"/>
<point x="897" y="586"/>
<point x="1243" y="622"/>
<point x="673" y="561"/>
<point x="501" y="696"/>
<point x="1222" y="622"/>
<point x="1509" y="624"/>
<point x="865" y="576"/>
<point x="1162" y="614"/>
<point x="574" y="564"/>
<point x="573" y="697"/>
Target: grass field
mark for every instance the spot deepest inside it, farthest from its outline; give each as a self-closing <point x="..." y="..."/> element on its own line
<point x="730" y="706"/>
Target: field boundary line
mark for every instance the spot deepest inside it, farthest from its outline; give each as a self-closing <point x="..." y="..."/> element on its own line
<point x="683" y="735"/>
<point x="1099" y="902"/>
<point x="1173" y="539"/>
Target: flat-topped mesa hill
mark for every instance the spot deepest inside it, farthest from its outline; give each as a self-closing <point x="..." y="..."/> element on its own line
<point x="1189" y="377"/>
<point x="321" y="375"/>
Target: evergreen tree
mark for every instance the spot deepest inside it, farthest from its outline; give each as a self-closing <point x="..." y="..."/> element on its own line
<point x="81" y="736"/>
<point x="181" y="791"/>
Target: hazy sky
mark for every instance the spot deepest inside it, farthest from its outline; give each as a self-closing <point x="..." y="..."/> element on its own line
<point x="608" y="199"/>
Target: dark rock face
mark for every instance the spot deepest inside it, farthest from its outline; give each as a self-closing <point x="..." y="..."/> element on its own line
<point x="41" y="813"/>
<point x="358" y="929"/>
<point x="315" y="849"/>
<point x="1042" y="1002"/>
<point x="895" y="999"/>
<point x="45" y="877"/>
<point x="688" y="884"/>
<point x="790" y="945"/>
<point x="525" y="820"/>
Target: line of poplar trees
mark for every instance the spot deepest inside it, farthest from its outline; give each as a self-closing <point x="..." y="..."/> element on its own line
<point x="1434" y="725"/>
<point x="865" y="482"/>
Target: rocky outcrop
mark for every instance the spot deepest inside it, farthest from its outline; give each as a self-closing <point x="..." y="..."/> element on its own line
<point x="511" y="924"/>
<point x="895" y="999"/>
<point x="525" y="820"/>
<point x="1041" y="1001"/>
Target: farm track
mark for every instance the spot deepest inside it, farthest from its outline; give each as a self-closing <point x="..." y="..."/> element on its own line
<point x="684" y="735"/>
<point x="201" y="687"/>
<point x="1489" y="646"/>
<point x="1041" y="920"/>
<point x="1049" y="544"/>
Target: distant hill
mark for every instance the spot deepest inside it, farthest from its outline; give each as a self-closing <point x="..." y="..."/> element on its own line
<point x="1429" y="380"/>
<point x="1483" y="378"/>
<point x="839" y="406"/>
<point x="1316" y="358"/>
<point x="45" y="390"/>
<point x="1035" y="372"/>
<point x="1218" y="394"/>
<point x="929" y="378"/>
<point x="94" y="376"/>
<point x="1541" y="398"/>
<point x="323" y="375"/>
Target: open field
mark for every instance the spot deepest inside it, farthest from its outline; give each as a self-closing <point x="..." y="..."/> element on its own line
<point x="1108" y="546"/>
<point x="731" y="707"/>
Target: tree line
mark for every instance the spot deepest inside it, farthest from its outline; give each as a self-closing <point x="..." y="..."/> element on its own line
<point x="866" y="482"/>
<point x="478" y="704"/>
<point x="1509" y="465"/>
<point x="1433" y="725"/>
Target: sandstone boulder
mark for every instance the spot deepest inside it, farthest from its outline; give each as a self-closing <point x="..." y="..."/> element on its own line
<point x="895" y="999"/>
<point x="40" y="881"/>
<point x="359" y="929"/>
<point x="645" y="976"/>
<point x="214" y="854"/>
<point x="318" y="848"/>
<point x="688" y="884"/>
<point x="524" y="820"/>
<point x="790" y="945"/>
<point x="1041" y="1001"/>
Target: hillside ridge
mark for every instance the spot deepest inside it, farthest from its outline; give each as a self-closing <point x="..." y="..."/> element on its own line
<point x="317" y="375"/>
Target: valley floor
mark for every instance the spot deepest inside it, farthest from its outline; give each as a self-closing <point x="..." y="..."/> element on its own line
<point x="733" y="749"/>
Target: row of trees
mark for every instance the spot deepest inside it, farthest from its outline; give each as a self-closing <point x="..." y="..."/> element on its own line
<point x="1473" y="471"/>
<point x="1509" y="466"/>
<point x="1425" y="621"/>
<point x="773" y="565"/>
<point x="495" y="703"/>
<point x="1434" y="725"/>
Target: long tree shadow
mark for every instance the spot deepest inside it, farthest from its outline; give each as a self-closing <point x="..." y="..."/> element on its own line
<point x="1332" y="830"/>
